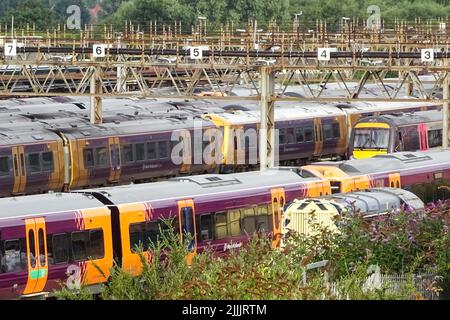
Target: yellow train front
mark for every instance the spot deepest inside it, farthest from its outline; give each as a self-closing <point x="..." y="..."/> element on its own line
<point x="384" y="134"/>
<point x="309" y="216"/>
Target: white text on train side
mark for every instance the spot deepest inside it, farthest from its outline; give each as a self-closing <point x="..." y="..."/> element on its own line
<point x="231" y="245"/>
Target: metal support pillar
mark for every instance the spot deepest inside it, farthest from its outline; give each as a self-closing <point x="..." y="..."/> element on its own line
<point x="267" y="144"/>
<point x="445" y="132"/>
<point x="96" y="112"/>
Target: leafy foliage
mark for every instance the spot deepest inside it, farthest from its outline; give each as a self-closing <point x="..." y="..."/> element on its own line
<point x="47" y="13"/>
<point x="401" y="243"/>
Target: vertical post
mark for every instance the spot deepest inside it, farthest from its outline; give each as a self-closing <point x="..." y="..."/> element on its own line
<point x="96" y="98"/>
<point x="267" y="146"/>
<point x="445" y="132"/>
<point x="121" y="76"/>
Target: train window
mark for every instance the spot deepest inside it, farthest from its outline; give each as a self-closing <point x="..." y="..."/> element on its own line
<point x="151" y="233"/>
<point x="220" y="223"/>
<point x="234" y="223"/>
<point x="101" y="156"/>
<point x="4" y="166"/>
<point x="248" y="220"/>
<point x="32" y="248"/>
<point x="206" y="227"/>
<point x="34" y="163"/>
<point x="328" y="131"/>
<point x="96" y="248"/>
<point x="162" y="150"/>
<point x="47" y="161"/>
<point x="139" y="151"/>
<point x="60" y="248"/>
<point x="41" y="241"/>
<point x="290" y="135"/>
<point x="14" y="258"/>
<point x="16" y="166"/>
<point x="336" y="130"/>
<point x="80" y="244"/>
<point x="186" y="220"/>
<point x="127" y="153"/>
<point x="137" y="236"/>
<point x="299" y="136"/>
<point x="88" y="156"/>
<point x="187" y="225"/>
<point x="246" y="140"/>
<point x="308" y="131"/>
<point x="282" y="136"/>
<point x="434" y="138"/>
<point x="262" y="219"/>
<point x="151" y="150"/>
<point x="411" y="140"/>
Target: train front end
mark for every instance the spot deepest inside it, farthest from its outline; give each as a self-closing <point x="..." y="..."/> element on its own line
<point x="369" y="139"/>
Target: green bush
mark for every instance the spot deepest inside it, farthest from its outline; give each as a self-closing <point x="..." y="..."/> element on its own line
<point x="404" y="243"/>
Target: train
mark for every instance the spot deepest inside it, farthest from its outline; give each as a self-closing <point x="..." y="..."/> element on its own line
<point x="419" y="172"/>
<point x="303" y="216"/>
<point x="390" y="133"/>
<point x="49" y="143"/>
<point x="76" y="237"/>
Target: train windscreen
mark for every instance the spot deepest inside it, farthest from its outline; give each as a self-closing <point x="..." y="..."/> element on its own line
<point x="371" y="138"/>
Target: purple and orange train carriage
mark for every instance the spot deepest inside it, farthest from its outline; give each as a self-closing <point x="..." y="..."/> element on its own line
<point x="76" y="237"/>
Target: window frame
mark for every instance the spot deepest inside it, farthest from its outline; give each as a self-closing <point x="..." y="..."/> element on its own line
<point x="52" y="162"/>
<point x="68" y="248"/>
<point x="86" y="246"/>
<point x="30" y="167"/>
<point x="144" y="151"/>
<point x="85" y="153"/>
<point x="9" y="164"/>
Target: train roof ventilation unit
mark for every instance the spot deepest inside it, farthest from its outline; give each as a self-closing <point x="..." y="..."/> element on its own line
<point x="207" y="181"/>
<point x="36" y="137"/>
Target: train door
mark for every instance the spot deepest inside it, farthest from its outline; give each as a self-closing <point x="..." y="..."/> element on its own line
<point x="278" y="201"/>
<point x="423" y="136"/>
<point x="394" y="180"/>
<point x="318" y="137"/>
<point x="114" y="149"/>
<point x="36" y="240"/>
<point x="20" y="175"/>
<point x="186" y="220"/>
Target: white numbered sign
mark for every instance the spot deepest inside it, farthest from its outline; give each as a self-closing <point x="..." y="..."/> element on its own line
<point x="323" y="54"/>
<point x="427" y="55"/>
<point x="99" y="50"/>
<point x="10" y="49"/>
<point x="196" y="52"/>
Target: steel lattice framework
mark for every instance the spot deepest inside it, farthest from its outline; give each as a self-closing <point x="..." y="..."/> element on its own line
<point x="268" y="65"/>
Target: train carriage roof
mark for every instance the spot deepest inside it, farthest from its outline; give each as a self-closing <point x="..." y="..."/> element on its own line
<point x="150" y="125"/>
<point x="375" y="106"/>
<point x="391" y="162"/>
<point x="25" y="133"/>
<point x="203" y="185"/>
<point x="409" y="118"/>
<point x="43" y="204"/>
<point x="281" y="114"/>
